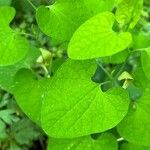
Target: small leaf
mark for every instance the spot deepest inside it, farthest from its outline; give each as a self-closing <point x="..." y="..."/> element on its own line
<point x="24" y="132"/>
<point x="105" y="142"/>
<point x="129" y="12"/>
<point x="75" y="106"/>
<point x="95" y="38"/>
<point x="7" y="116"/>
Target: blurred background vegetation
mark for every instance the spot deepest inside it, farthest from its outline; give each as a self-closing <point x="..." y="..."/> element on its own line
<point x="17" y="132"/>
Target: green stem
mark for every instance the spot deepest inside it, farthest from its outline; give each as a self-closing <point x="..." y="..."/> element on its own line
<point x="122" y="68"/>
<point x="105" y="82"/>
<point x="106" y="72"/>
<point x="34" y="7"/>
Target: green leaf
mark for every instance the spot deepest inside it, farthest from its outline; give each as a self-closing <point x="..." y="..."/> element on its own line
<point x="61" y="19"/>
<point x="75" y="106"/>
<point x="129" y="12"/>
<point x="7" y="116"/>
<point x="13" y="47"/>
<point x="140" y="79"/>
<point x="116" y="58"/>
<point x="5" y="2"/>
<point x="145" y="59"/>
<point x="98" y="6"/>
<point x="118" y="1"/>
<point x="29" y="93"/>
<point x="7" y="73"/>
<point x="135" y="127"/>
<point x="129" y="146"/>
<point x="141" y="40"/>
<point x="2" y="130"/>
<point x="95" y="38"/>
<point x="24" y="132"/>
<point x="14" y="146"/>
<point x="105" y="142"/>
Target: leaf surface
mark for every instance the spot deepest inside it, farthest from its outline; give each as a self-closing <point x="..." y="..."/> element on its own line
<point x="13" y="47"/>
<point x="136" y="123"/>
<point x="75" y="106"/>
<point x="129" y="146"/>
<point x="29" y="93"/>
<point x="7" y="73"/>
<point x="61" y="19"/>
<point x="96" y="38"/>
<point x="105" y="141"/>
<point x="145" y="59"/>
<point x="129" y="12"/>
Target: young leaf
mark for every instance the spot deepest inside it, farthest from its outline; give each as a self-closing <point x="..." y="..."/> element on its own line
<point x="136" y="123"/>
<point x="29" y="93"/>
<point x="13" y="47"/>
<point x="129" y="146"/>
<point x="61" y="19"/>
<point x="75" y="106"/>
<point x="105" y="142"/>
<point x="129" y="12"/>
<point x="95" y="38"/>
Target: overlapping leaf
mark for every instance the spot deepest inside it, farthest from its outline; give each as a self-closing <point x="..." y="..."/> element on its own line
<point x="61" y="19"/>
<point x="129" y="12"/>
<point x="7" y="73"/>
<point x="95" y="38"/>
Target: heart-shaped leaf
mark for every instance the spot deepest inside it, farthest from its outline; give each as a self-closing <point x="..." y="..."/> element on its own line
<point x="95" y="38"/>
<point x="75" y="106"/>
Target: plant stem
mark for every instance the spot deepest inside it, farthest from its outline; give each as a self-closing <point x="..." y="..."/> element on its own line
<point x="106" y="72"/>
<point x="34" y="7"/>
<point x="122" y="68"/>
<point x="105" y="82"/>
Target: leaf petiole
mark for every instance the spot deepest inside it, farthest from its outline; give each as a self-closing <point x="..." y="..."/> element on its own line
<point x="29" y="1"/>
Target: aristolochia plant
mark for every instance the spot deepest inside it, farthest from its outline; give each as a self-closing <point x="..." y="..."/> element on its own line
<point x="103" y="87"/>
